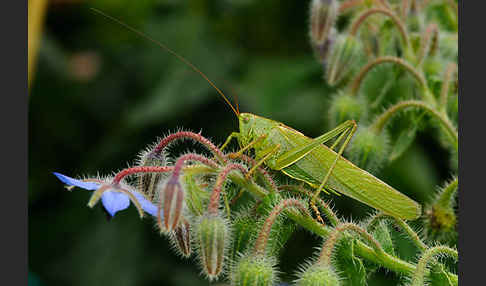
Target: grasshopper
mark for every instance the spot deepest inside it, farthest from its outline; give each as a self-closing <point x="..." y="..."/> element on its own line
<point x="285" y="149"/>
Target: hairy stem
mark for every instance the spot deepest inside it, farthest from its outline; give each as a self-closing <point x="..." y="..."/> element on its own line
<point x="140" y="169"/>
<point x="194" y="136"/>
<point x="328" y="247"/>
<point x="400" y="223"/>
<point x="264" y="234"/>
<point x="398" y="23"/>
<point x="349" y="4"/>
<point x="444" y="92"/>
<point x="192" y="157"/>
<point x="214" y="199"/>
<point x="428" y="43"/>
<point x="383" y="119"/>
<point x="386" y="59"/>
<point x="418" y="278"/>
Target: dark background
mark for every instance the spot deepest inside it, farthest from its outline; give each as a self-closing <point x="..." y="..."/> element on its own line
<point x="101" y="94"/>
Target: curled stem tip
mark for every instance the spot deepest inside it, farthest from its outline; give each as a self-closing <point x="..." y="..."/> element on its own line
<point x="192" y="157"/>
<point x="264" y="234"/>
<point x="396" y="20"/>
<point x="414" y="237"/>
<point x="428" y="255"/>
<point x="328" y="247"/>
<point x="214" y="199"/>
<point x="381" y="120"/>
<point x="194" y="136"/>
<point x="386" y="59"/>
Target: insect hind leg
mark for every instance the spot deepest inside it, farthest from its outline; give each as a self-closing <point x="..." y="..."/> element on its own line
<point x="350" y="132"/>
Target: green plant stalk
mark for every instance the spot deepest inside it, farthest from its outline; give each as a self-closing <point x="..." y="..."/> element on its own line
<point x="402" y="224"/>
<point x="396" y="20"/>
<point x="385" y="260"/>
<point x="448" y="128"/>
<point x="418" y="278"/>
<point x="328" y="247"/>
<point x="387" y="59"/>
<point x="444" y="93"/>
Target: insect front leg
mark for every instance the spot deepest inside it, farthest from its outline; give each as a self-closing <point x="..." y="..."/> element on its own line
<point x="228" y="140"/>
<point x="267" y="155"/>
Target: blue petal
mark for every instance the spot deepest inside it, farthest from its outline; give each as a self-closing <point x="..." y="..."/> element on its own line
<point x="114" y="201"/>
<point x="146" y="205"/>
<point x="78" y="183"/>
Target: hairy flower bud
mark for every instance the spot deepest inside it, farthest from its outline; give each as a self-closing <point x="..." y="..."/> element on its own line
<point x="254" y="270"/>
<point x="318" y="275"/>
<point x="212" y="239"/>
<point x="440" y="218"/>
<point x="181" y="238"/>
<point x="173" y="203"/>
<point x="368" y="150"/>
<point x="345" y="106"/>
<point x="147" y="182"/>
<point x="322" y="19"/>
<point x="245" y="227"/>
<point x="345" y="56"/>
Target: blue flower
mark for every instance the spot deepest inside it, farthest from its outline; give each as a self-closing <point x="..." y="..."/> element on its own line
<point x="112" y="200"/>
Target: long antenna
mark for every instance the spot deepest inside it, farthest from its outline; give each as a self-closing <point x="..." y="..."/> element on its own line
<point x="181" y="58"/>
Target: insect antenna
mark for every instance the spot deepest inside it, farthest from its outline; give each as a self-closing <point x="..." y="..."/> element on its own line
<point x="179" y="57"/>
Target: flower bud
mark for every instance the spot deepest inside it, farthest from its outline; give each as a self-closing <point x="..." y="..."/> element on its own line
<point x="345" y="106"/>
<point x="322" y="19"/>
<point x="147" y="182"/>
<point x="173" y="203"/>
<point x="212" y="238"/>
<point x="345" y="56"/>
<point x="440" y="223"/>
<point x="245" y="227"/>
<point x="318" y="275"/>
<point x="368" y="150"/>
<point x="181" y="238"/>
<point x="254" y="270"/>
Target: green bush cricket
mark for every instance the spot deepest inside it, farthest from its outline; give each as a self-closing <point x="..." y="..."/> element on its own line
<point x="285" y="149"/>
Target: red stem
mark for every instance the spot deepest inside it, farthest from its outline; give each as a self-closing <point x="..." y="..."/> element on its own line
<point x="214" y="200"/>
<point x="194" y="136"/>
<point x="140" y="169"/>
<point x="262" y="239"/>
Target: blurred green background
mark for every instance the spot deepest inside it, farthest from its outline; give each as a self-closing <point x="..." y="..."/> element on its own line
<point x="101" y="94"/>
